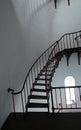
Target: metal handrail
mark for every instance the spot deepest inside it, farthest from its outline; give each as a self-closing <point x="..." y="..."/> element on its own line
<point x="42" y="61"/>
<point x="60" y="102"/>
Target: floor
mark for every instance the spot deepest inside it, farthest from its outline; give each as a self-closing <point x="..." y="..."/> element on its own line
<point x="43" y="121"/>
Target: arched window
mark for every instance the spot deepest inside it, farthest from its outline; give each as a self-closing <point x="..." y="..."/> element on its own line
<point x="70" y="94"/>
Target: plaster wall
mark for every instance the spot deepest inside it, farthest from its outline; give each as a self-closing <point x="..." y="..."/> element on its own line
<point x="27" y="28"/>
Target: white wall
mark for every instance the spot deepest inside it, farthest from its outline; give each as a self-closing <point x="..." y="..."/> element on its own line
<point x="27" y="28"/>
<point x="13" y="57"/>
<point x="63" y="71"/>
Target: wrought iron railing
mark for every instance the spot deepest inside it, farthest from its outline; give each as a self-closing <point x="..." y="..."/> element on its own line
<point x="23" y="94"/>
<point x="61" y="102"/>
<point x="67" y="41"/>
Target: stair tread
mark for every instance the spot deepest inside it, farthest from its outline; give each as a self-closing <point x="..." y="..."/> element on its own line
<point x="48" y="67"/>
<point x="41" y="79"/>
<point x="37" y="105"/>
<point x="45" y="70"/>
<point x="41" y="84"/>
<point x="57" y="57"/>
<point x="37" y="97"/>
<point x="50" y="61"/>
<point x="44" y="74"/>
<point x="38" y="90"/>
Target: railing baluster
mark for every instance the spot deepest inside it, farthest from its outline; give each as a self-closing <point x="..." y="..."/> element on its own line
<point x="52" y="101"/>
<point x="52" y="52"/>
<point x="48" y="52"/>
<point x="77" y="40"/>
<point x="24" y="95"/>
<point x="67" y="41"/>
<point x="58" y="46"/>
<point x="56" y="98"/>
<point x="65" y="96"/>
<point x="70" y="95"/>
<point x="29" y="81"/>
<point x="61" y="44"/>
<point x="80" y="93"/>
<point x="56" y="49"/>
<point x="46" y="87"/>
<point x="22" y="102"/>
<point x="75" y="98"/>
<point x="43" y="60"/>
<point x="37" y="68"/>
<point x="34" y="71"/>
<point x="27" y="89"/>
<point x="45" y="57"/>
<point x="13" y="102"/>
<point x="80" y="34"/>
<point x="73" y="40"/>
<point x="70" y="41"/>
<point x="64" y="42"/>
<point x="60" y="96"/>
<point x="40" y="64"/>
<point x="27" y="86"/>
<point x="31" y="76"/>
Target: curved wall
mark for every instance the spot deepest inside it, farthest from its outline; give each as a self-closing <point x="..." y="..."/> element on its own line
<point x="27" y="28"/>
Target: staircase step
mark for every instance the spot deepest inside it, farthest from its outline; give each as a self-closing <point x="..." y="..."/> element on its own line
<point x="41" y="79"/>
<point x="56" y="65"/>
<point x="37" y="90"/>
<point x="45" y="70"/>
<point x="49" y="67"/>
<point x="50" y="61"/>
<point x="41" y="84"/>
<point x="37" y="105"/>
<point x="37" y="97"/>
<point x="44" y="74"/>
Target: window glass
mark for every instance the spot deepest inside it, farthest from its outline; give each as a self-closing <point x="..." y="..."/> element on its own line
<point x="70" y="95"/>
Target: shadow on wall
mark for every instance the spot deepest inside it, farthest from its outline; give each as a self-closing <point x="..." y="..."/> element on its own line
<point x="29" y="8"/>
<point x="12" y="56"/>
<point x="40" y="6"/>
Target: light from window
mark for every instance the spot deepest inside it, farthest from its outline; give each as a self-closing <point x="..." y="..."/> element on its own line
<point x="70" y="94"/>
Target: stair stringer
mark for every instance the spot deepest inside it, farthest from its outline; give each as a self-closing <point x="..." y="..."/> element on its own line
<point x="40" y="66"/>
<point x="53" y="64"/>
<point x="48" y="72"/>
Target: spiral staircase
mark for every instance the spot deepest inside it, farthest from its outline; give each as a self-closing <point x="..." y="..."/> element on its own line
<point x="36" y="93"/>
<point x="42" y="84"/>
